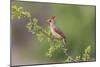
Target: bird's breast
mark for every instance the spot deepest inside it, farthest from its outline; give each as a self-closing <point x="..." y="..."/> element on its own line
<point x="55" y="34"/>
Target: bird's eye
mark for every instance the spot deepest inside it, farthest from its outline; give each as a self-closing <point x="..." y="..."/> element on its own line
<point x="49" y="20"/>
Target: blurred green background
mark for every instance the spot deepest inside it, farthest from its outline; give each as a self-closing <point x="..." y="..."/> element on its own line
<point x="78" y="22"/>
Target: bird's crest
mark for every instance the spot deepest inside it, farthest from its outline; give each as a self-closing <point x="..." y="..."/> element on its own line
<point x="53" y="17"/>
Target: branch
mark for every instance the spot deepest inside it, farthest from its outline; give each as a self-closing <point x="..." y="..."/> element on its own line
<point x="43" y="34"/>
<point x="35" y="29"/>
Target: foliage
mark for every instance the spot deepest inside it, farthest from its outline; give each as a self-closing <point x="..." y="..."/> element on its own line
<point x="19" y="12"/>
<point x="86" y="55"/>
<point x="35" y="29"/>
<point x="45" y="34"/>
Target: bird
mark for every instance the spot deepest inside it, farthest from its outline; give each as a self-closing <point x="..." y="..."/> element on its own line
<point x="55" y="31"/>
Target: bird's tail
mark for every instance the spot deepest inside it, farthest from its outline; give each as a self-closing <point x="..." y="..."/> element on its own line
<point x="65" y="49"/>
<point x="64" y="46"/>
<point x="64" y="43"/>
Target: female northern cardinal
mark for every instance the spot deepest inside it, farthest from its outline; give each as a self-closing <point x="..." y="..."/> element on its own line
<point x="56" y="32"/>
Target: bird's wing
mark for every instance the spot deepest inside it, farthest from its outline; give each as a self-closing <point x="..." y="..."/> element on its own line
<point x="59" y="32"/>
